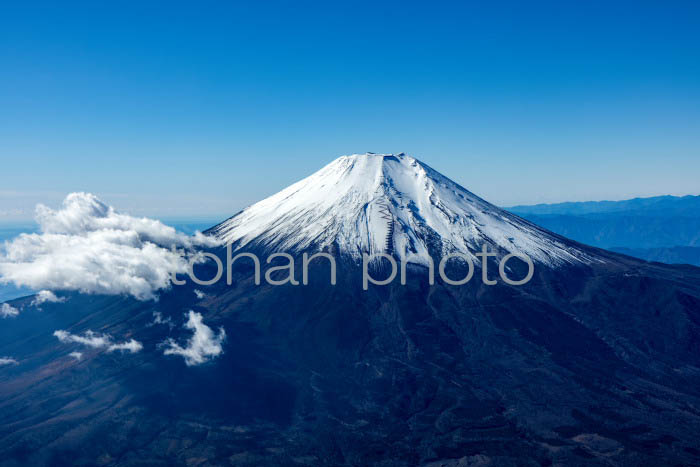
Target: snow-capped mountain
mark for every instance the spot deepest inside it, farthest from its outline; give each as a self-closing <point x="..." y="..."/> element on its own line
<point x="391" y="203"/>
<point x="596" y="365"/>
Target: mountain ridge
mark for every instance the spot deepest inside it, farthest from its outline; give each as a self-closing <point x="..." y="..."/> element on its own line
<point x="667" y="204"/>
<point x="662" y="228"/>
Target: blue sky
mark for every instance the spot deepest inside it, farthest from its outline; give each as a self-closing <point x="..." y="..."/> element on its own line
<point x="182" y="109"/>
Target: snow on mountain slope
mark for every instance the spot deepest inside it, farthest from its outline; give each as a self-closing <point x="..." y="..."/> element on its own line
<point x="389" y="203"/>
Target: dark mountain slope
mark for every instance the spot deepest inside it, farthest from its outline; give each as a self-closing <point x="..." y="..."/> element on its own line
<point x="593" y="368"/>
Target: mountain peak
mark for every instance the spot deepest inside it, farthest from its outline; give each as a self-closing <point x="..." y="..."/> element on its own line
<point x="389" y="203"/>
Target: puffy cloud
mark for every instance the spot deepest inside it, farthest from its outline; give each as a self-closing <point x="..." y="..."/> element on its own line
<point x="76" y="355"/>
<point x="202" y="346"/>
<point x="7" y="361"/>
<point x="98" y="341"/>
<point x="88" y="246"/>
<point x="45" y="296"/>
<point x="8" y="311"/>
<point x="200" y="295"/>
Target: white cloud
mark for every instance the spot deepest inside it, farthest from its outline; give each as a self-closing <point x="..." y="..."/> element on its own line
<point x="88" y="246"/>
<point x="131" y="346"/>
<point x="76" y="355"/>
<point x="158" y="319"/>
<point x="88" y="339"/>
<point x="200" y="295"/>
<point x="8" y="311"/>
<point x="45" y="296"/>
<point x="7" y="361"/>
<point x="98" y="341"/>
<point x="202" y="346"/>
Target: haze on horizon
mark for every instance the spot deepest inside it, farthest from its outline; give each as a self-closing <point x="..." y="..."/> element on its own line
<point x="175" y="111"/>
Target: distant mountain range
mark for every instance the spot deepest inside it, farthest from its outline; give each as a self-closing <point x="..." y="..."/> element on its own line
<point x="660" y="228"/>
<point x="670" y="255"/>
<point x="662" y="206"/>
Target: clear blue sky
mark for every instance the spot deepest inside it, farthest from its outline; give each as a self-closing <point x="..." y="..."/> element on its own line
<point x="173" y="108"/>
